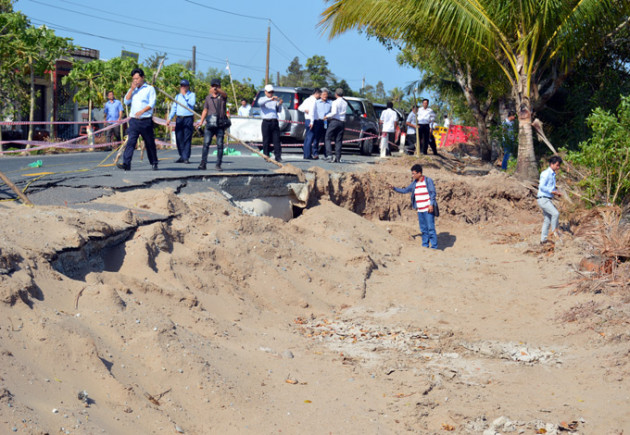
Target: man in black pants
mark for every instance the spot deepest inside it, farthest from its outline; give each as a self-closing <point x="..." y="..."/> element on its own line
<point x="426" y="116"/>
<point x="214" y="106"/>
<point x="336" y="125"/>
<point x="270" y="105"/>
<point x="141" y="97"/>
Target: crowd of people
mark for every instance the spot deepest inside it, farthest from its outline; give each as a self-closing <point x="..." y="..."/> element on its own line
<point x="323" y="119"/>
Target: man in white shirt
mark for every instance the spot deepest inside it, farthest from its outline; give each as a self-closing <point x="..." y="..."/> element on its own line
<point x="412" y="123"/>
<point x="244" y="109"/>
<point x="447" y="122"/>
<point x="388" y="120"/>
<point x="336" y="125"/>
<point x="141" y="98"/>
<point x="270" y="105"/>
<point x="308" y="107"/>
<point x="425" y="117"/>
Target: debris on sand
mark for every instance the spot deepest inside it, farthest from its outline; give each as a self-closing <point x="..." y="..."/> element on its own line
<point x="518" y="352"/>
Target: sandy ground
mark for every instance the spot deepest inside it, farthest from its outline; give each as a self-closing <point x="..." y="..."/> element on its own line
<point x="215" y="322"/>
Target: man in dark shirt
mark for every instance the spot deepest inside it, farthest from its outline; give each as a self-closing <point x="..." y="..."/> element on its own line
<point x="213" y="116"/>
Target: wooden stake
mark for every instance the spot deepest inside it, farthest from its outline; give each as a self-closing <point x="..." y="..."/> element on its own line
<point x="14" y="188"/>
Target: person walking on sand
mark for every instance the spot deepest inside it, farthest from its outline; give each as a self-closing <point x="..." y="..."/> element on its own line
<point x="141" y="98"/>
<point x="214" y="116"/>
<point x="270" y="105"/>
<point x="546" y="191"/>
<point x="184" y="124"/>
<point x="423" y="200"/>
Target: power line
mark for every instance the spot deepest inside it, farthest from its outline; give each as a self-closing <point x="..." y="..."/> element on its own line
<point x="135" y="25"/>
<point x="253" y="18"/>
<point x="227" y="12"/>
<point x="157" y="23"/>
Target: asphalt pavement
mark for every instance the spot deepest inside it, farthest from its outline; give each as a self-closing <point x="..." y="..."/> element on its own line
<point x="78" y="178"/>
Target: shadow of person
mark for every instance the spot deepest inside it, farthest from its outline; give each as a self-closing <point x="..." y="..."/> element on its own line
<point x="446" y="240"/>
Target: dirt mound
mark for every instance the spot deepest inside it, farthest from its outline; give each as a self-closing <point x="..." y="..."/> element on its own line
<point x="470" y="199"/>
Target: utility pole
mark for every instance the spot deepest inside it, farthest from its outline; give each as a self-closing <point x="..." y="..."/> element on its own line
<point x="278" y="76"/>
<point x="194" y="59"/>
<point x="268" y="46"/>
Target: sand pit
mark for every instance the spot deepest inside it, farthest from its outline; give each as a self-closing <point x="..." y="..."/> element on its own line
<point x="183" y="314"/>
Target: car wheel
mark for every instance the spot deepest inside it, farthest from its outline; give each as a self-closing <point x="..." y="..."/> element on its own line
<point x="367" y="146"/>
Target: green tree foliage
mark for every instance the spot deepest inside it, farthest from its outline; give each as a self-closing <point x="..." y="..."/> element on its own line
<point x="318" y="72"/>
<point x="89" y="83"/>
<point x="535" y="43"/>
<point x="606" y="155"/>
<point x="295" y="74"/>
<point x="597" y="81"/>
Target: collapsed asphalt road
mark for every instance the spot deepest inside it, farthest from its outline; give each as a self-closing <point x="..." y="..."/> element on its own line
<point x="78" y="178"/>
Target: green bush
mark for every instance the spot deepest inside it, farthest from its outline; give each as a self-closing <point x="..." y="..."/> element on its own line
<point x="606" y="155"/>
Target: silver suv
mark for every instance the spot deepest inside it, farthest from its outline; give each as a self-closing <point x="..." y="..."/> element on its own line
<point x="291" y="119"/>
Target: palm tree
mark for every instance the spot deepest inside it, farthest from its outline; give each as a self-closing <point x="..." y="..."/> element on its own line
<point x="534" y="42"/>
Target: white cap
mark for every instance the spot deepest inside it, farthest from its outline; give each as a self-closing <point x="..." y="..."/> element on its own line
<point x="269" y="88"/>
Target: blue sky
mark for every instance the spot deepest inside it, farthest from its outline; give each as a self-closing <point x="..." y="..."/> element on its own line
<point x="174" y="26"/>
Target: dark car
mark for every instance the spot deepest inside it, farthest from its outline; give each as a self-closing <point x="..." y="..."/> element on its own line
<point x="361" y="121"/>
<point x="400" y="125"/>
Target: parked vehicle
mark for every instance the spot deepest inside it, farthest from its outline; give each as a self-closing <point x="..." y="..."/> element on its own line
<point x="400" y="125"/>
<point x="361" y="121"/>
<point x="292" y="130"/>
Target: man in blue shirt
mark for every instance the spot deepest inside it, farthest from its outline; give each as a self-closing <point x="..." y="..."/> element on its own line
<point x="113" y="113"/>
<point x="270" y="105"/>
<point x="546" y="191"/>
<point x="508" y="138"/>
<point x="141" y="98"/>
<point x="184" y="124"/>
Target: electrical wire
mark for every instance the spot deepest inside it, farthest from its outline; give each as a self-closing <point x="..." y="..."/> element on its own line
<point x="138" y="26"/>
<point x="228" y="12"/>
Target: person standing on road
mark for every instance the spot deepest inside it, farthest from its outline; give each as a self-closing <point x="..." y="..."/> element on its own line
<point x="546" y="191"/>
<point x="412" y="124"/>
<point x="113" y="113"/>
<point x="423" y="200"/>
<point x="141" y="98"/>
<point x="308" y="107"/>
<point x="214" y="117"/>
<point x="270" y="105"/>
<point x="508" y="138"/>
<point x="388" y="120"/>
<point x="336" y="125"/>
<point x="322" y="108"/>
<point x="245" y="109"/>
<point x="425" y="117"/>
<point x="184" y="124"/>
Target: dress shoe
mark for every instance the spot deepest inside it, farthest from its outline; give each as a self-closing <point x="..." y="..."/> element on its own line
<point x="123" y="166"/>
<point x="201" y="166"/>
<point x="279" y="160"/>
<point x="180" y="160"/>
<point x="218" y="168"/>
<point x="187" y="161"/>
<point x="154" y="166"/>
<point x="315" y="157"/>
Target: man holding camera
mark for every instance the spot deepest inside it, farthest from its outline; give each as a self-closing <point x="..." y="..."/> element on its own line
<point x="215" y="119"/>
<point x="270" y="105"/>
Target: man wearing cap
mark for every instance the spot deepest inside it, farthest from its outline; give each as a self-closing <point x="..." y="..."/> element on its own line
<point x="213" y="116"/>
<point x="141" y="98"/>
<point x="184" y="123"/>
<point x="336" y="125"/>
<point x="270" y="105"/>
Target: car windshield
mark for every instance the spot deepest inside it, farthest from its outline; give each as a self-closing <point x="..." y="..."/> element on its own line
<point x="287" y="98"/>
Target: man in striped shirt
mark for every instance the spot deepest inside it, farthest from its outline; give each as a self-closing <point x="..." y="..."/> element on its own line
<point x="423" y="200"/>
